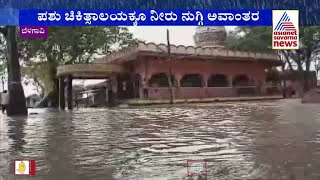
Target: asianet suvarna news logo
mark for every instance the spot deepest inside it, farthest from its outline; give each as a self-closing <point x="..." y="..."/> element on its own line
<point x="285" y="25"/>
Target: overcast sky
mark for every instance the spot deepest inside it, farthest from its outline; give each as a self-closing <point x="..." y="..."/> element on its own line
<point x="180" y="35"/>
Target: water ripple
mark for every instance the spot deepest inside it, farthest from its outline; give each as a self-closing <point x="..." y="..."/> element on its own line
<point x="239" y="140"/>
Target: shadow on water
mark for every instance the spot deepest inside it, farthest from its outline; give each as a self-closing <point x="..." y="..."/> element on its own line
<point x="16" y="142"/>
<point x="16" y="133"/>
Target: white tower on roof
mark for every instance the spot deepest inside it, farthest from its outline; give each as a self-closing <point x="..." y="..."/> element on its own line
<point x="210" y="36"/>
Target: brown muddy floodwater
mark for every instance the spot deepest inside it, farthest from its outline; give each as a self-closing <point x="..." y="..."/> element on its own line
<point x="256" y="140"/>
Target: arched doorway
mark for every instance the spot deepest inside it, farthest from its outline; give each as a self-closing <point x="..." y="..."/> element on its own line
<point x="191" y="80"/>
<point x="218" y="80"/>
<point x="161" y="80"/>
<point x="241" y="80"/>
<point x="245" y="85"/>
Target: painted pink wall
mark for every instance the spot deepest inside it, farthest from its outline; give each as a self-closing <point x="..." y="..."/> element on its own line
<point x="181" y="67"/>
<point x="147" y="67"/>
<point x="191" y="92"/>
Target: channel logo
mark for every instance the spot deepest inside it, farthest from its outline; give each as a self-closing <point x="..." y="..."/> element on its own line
<point x="25" y="168"/>
<point x="285" y="25"/>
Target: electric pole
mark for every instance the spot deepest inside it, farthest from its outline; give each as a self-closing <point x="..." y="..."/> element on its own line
<point x="170" y="69"/>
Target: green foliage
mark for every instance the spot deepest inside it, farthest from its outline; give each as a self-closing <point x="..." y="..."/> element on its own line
<point x="259" y="39"/>
<point x="68" y="45"/>
<point x="32" y="76"/>
<point x="253" y="38"/>
<point x="3" y="57"/>
<point x="309" y="38"/>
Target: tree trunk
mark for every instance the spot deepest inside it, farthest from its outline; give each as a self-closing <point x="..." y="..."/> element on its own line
<point x="2" y="81"/>
<point x="17" y="101"/>
<point x="307" y="75"/>
<point x="284" y="85"/>
<point x="287" y="59"/>
<point x="51" y="98"/>
<point x="301" y="81"/>
<point x="54" y="98"/>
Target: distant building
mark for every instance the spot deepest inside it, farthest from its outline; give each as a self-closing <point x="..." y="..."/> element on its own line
<point x="93" y="95"/>
<point x="205" y="70"/>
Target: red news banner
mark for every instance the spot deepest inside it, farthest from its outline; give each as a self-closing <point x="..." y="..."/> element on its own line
<point x="25" y="167"/>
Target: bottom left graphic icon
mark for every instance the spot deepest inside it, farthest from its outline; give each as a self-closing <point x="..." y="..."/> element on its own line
<point x="25" y="167"/>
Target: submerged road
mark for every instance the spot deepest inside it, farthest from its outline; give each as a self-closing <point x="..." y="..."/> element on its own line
<point x="256" y="140"/>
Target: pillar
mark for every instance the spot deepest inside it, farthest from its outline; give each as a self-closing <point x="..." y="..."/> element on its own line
<point x="144" y="85"/>
<point x="133" y="82"/>
<point x="114" y="90"/>
<point x="263" y="88"/>
<point x="230" y="79"/>
<point x="205" y="80"/>
<point x="178" y="79"/>
<point x="107" y="92"/>
<point x="62" y="104"/>
<point x="69" y="93"/>
<point x="230" y="83"/>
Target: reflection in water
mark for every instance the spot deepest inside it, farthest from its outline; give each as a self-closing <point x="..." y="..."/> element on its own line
<point x="269" y="140"/>
<point x="60" y="146"/>
<point x="16" y="134"/>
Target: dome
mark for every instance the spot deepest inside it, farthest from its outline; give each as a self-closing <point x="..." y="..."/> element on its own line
<point x="210" y="36"/>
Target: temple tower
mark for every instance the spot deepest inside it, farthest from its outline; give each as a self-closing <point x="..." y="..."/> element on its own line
<point x="210" y="36"/>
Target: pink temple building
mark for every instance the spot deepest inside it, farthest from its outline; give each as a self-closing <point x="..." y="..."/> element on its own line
<point x="205" y="70"/>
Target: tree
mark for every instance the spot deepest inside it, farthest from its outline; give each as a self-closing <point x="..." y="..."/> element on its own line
<point x="68" y="45"/>
<point x="259" y="39"/>
<point x="252" y="38"/>
<point x="31" y="76"/>
<point x="17" y="101"/>
<point x="170" y="70"/>
<point x="3" y="61"/>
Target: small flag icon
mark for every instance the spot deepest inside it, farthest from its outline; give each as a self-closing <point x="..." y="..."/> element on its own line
<point x="25" y="168"/>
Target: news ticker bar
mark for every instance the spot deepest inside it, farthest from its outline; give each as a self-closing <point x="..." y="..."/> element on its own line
<point x="145" y="17"/>
<point x="9" y="17"/>
<point x="158" y="4"/>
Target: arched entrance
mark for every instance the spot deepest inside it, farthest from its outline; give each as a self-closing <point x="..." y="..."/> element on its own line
<point x="191" y="80"/>
<point x="245" y="85"/>
<point x="161" y="80"/>
<point x="241" y="80"/>
<point x="218" y="80"/>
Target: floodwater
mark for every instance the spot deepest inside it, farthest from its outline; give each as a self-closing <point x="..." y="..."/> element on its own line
<point x="256" y="140"/>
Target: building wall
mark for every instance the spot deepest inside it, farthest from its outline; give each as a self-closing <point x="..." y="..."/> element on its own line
<point x="191" y="92"/>
<point x="148" y="67"/>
